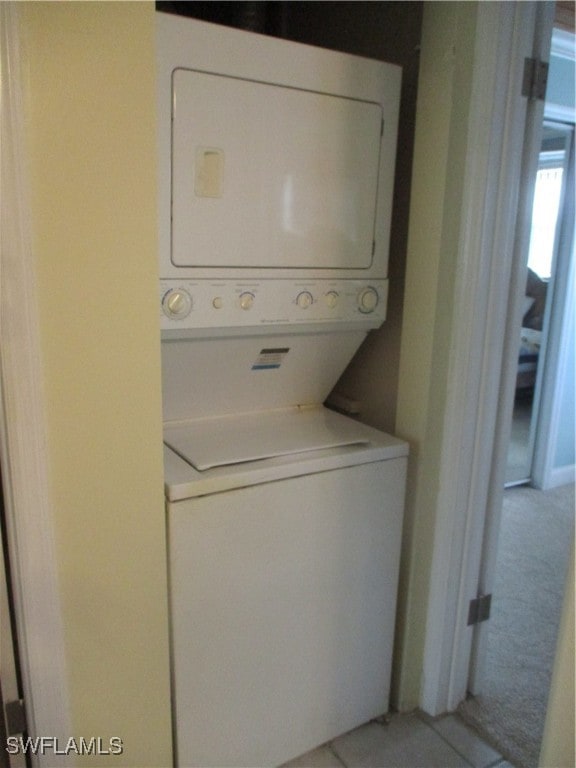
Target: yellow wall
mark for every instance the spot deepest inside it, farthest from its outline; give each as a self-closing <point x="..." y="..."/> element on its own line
<point x="90" y="109"/>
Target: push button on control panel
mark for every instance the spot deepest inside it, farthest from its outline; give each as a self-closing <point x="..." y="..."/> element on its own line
<point x="331" y="299"/>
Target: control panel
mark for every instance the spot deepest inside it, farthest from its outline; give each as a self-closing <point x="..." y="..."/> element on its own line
<point x="189" y="304"/>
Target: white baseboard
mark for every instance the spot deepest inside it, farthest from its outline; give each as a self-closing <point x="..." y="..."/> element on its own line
<point x="562" y="476"/>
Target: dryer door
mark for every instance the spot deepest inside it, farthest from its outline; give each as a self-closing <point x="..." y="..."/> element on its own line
<point x="271" y="177"/>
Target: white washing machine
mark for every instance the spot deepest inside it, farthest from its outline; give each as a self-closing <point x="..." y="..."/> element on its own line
<point x="283" y="578"/>
<point x="284" y="517"/>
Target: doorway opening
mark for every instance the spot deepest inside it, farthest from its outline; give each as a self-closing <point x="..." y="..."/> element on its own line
<point x="548" y="213"/>
<point x="536" y="525"/>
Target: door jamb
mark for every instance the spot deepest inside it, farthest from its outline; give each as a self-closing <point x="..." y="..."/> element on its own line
<point x="23" y="453"/>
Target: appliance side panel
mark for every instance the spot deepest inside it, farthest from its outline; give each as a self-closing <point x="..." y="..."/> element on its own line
<point x="283" y="606"/>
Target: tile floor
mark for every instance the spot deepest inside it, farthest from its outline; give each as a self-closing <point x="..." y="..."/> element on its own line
<point x="405" y="741"/>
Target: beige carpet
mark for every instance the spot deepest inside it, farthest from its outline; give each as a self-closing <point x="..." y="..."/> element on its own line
<point x="534" y="546"/>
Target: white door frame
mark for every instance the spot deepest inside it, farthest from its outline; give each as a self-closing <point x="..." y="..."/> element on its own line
<point x="23" y="453"/>
<point x="489" y="286"/>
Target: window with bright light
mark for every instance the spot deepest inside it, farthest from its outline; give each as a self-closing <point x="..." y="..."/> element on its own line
<point x="545" y="215"/>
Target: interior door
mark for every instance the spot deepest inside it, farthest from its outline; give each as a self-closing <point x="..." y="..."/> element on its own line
<point x="532" y="140"/>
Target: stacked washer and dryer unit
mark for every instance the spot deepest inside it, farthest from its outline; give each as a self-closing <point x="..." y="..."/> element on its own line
<point x="284" y="518"/>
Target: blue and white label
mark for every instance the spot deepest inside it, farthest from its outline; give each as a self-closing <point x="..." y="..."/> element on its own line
<point x="269" y="359"/>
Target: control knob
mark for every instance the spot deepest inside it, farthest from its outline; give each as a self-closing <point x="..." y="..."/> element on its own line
<point x="177" y="303"/>
<point x="368" y="300"/>
<point x="246" y="300"/>
<point x="304" y="299"/>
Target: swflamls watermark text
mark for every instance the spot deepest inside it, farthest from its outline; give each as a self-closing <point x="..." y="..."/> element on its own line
<point x="44" y="745"/>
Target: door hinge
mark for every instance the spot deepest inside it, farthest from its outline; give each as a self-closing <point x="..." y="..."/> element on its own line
<point x="15" y="717"/>
<point x="479" y="609"/>
<point x="535" y="79"/>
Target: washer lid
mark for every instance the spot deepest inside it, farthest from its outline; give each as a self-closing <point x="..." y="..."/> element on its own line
<point x="231" y="440"/>
<point x="350" y="442"/>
